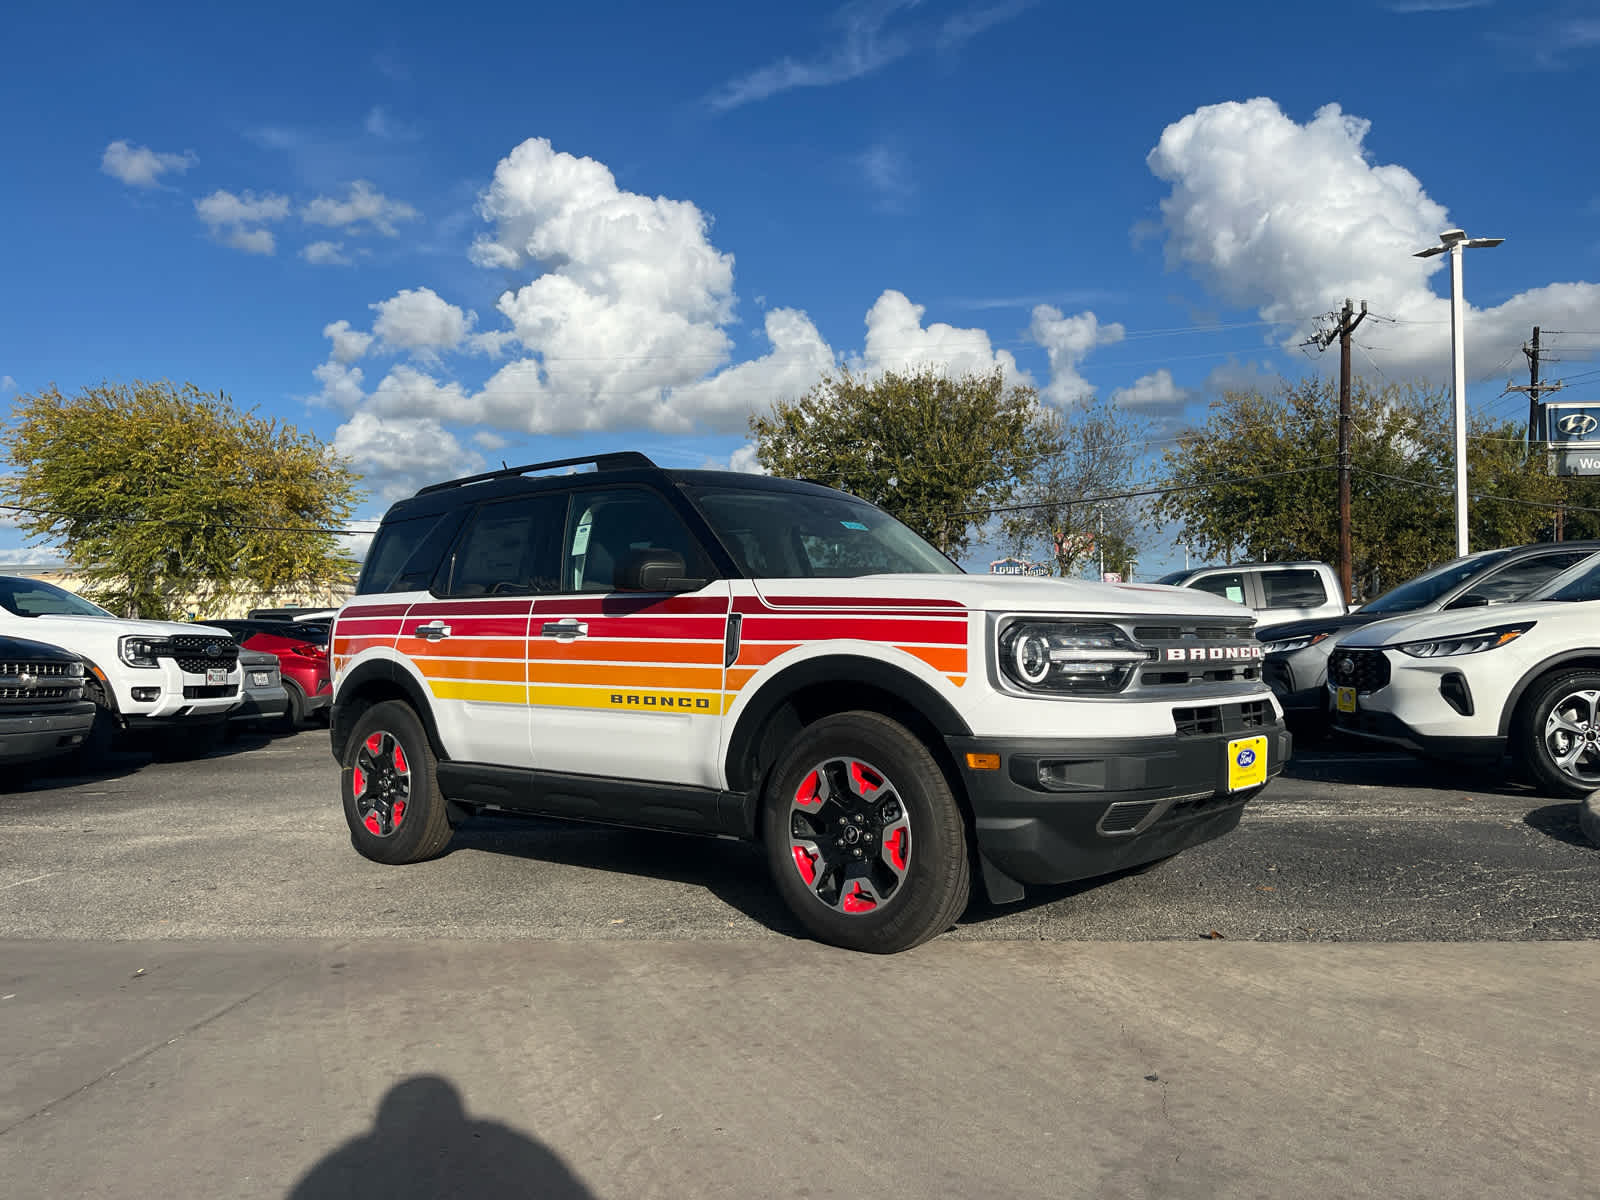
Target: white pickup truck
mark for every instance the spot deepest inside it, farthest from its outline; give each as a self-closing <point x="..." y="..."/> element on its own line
<point x="179" y="681"/>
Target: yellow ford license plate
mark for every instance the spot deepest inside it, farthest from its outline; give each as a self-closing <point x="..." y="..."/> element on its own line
<point x="1344" y="699"/>
<point x="1247" y="763"/>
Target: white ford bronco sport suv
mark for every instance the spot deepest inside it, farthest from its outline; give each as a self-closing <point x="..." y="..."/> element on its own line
<point x="176" y="681"/>
<point x="776" y="661"/>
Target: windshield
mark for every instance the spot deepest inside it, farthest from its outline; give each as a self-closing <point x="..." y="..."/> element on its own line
<point x="781" y="535"/>
<point x="1582" y="582"/>
<point x="1430" y="585"/>
<point x="34" y="598"/>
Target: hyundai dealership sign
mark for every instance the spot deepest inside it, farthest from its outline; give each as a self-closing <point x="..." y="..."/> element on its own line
<point x="1572" y="428"/>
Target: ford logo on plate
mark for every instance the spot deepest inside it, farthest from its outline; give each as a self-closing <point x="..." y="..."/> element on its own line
<point x="1247" y="757"/>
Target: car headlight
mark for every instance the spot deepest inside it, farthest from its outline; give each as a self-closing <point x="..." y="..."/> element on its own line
<point x="1466" y="643"/>
<point x="1068" y="658"/>
<point x="1290" y="645"/>
<point x="142" y="651"/>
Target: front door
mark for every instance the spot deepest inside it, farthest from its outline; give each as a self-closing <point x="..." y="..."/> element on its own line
<point x="630" y="679"/>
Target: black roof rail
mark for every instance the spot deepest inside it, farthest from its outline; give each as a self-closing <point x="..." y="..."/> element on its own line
<point x="602" y="462"/>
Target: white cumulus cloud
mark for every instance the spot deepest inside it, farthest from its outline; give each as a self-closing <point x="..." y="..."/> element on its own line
<point x="398" y="455"/>
<point x="7" y="383"/>
<point x="1067" y="341"/>
<point x="1291" y="219"/>
<point x="140" y="166"/>
<point x="238" y="220"/>
<point x="420" y="320"/>
<point x="1153" y="393"/>
<point x="348" y="344"/>
<point x="364" y="209"/>
<point x="897" y="340"/>
<point x="341" y="385"/>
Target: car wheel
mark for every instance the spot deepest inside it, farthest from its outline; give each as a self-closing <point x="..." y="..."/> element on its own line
<point x="293" y="716"/>
<point x="102" y="735"/>
<point x="390" y="786"/>
<point x="1560" y="735"/>
<point x="863" y="835"/>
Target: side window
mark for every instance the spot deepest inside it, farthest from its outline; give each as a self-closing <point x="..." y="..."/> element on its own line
<point x="1296" y="587"/>
<point x="1516" y="580"/>
<point x="511" y="548"/>
<point x="1227" y="584"/>
<point x="405" y="554"/>
<point x="606" y="525"/>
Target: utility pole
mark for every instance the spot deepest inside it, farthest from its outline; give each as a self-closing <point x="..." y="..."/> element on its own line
<point x="1535" y="388"/>
<point x="1347" y="319"/>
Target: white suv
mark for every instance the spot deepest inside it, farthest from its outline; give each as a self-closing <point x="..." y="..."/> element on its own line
<point x="776" y="661"/>
<point x="142" y="675"/>
<point x="1476" y="684"/>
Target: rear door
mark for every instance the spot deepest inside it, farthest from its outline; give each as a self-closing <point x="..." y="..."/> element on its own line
<point x="627" y="684"/>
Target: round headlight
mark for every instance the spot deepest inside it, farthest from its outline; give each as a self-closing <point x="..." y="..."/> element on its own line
<point x="1031" y="654"/>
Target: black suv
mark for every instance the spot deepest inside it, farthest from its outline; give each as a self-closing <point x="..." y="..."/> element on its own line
<point x="42" y="709"/>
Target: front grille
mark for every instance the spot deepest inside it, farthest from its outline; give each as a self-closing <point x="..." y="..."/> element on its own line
<point x="1124" y="816"/>
<point x="41" y="695"/>
<point x="1221" y="718"/>
<point x="197" y="654"/>
<point x="209" y="691"/>
<point x="1364" y="670"/>
<point x="1198" y="652"/>
<point x="48" y="682"/>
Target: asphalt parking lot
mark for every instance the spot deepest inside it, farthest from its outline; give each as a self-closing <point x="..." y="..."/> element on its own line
<point x="204" y="991"/>
<point x="251" y="842"/>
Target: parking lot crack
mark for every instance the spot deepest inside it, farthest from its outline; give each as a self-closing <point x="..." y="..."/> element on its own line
<point x="140" y="1056"/>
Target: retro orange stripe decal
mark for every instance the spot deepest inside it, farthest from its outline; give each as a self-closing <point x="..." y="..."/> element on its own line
<point x="756" y="654"/>
<point x="610" y="675"/>
<point x="491" y="693"/>
<point x="472" y="668"/>
<point x="620" y="650"/>
<point x="938" y="657"/>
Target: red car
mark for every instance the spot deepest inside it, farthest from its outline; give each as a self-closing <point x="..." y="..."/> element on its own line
<point x="302" y="650"/>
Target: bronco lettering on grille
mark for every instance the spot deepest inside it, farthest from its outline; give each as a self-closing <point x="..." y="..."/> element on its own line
<point x="1213" y="653"/>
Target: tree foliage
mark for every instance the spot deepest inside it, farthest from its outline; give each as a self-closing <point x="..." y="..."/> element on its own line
<point x="1402" y="481"/>
<point x="934" y="451"/>
<point x="161" y="494"/>
<point x="1062" y="522"/>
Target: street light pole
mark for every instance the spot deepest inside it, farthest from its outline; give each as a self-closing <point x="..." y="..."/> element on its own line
<point x="1455" y="241"/>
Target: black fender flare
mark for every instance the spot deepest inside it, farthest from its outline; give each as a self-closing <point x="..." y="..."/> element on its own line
<point x="94" y="671"/>
<point x="1570" y="658"/>
<point x="836" y="669"/>
<point x="387" y="676"/>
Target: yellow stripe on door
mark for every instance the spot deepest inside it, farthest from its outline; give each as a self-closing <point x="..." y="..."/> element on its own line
<point x="632" y="700"/>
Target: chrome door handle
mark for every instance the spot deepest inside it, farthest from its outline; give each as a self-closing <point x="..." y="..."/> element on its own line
<point x="565" y="629"/>
<point x="432" y="631"/>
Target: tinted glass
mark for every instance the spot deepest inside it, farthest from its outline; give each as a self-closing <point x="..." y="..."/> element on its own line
<point x="1228" y="584"/>
<point x="511" y="548"/>
<point x="787" y="535"/>
<point x="1430" y="585"/>
<point x="34" y="598"/>
<point x="405" y="554"/>
<point x="605" y="526"/>
<point x="1174" y="577"/>
<point x="1584" y="585"/>
<point x="1294" y="587"/>
<point x="1525" y="576"/>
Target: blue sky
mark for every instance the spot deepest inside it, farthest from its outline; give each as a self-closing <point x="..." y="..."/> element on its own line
<point x="443" y="237"/>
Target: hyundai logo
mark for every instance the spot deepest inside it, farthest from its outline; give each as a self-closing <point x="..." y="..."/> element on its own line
<point x="1578" y="424"/>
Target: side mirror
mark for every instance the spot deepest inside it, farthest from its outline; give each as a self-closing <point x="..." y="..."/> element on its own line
<point x="652" y="570"/>
<point x="1470" y="600"/>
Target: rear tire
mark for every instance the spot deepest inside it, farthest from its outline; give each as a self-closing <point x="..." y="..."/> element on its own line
<point x="1558" y="738"/>
<point x="295" y="714"/>
<point x="898" y="872"/>
<point x="389" y="782"/>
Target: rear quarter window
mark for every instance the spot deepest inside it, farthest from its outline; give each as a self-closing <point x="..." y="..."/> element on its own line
<point x="1296" y="587"/>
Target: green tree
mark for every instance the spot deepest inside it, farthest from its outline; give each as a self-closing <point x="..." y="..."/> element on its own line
<point x="162" y="495"/>
<point x="1402" y="481"/>
<point x="1061" y="522"/>
<point x="934" y="451"/>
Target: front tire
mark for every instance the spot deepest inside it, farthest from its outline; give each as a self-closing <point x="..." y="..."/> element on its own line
<point x="294" y="714"/>
<point x="864" y="838"/>
<point x="390" y="785"/>
<point x="1559" y="739"/>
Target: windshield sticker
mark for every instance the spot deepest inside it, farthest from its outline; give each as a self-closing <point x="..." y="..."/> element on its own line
<point x="854" y="525"/>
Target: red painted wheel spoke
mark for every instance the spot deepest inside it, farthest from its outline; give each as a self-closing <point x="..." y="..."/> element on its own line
<point x="849" y="835"/>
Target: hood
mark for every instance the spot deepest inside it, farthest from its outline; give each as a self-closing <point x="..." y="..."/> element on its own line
<point x="25" y="648"/>
<point x="1293" y="629"/>
<point x="1419" y="627"/>
<point x="55" y="626"/>
<point x="1009" y="593"/>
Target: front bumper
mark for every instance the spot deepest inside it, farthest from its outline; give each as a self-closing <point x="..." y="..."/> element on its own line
<point x="1108" y="804"/>
<point x="261" y="705"/>
<point x="24" y="737"/>
<point x="1381" y="726"/>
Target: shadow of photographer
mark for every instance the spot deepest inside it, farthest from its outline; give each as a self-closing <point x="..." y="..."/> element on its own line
<point x="423" y="1144"/>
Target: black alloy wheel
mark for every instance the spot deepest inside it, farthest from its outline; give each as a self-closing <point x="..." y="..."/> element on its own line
<point x="390" y="787"/>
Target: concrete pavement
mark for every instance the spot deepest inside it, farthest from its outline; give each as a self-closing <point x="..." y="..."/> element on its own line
<point x="777" y="1067"/>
